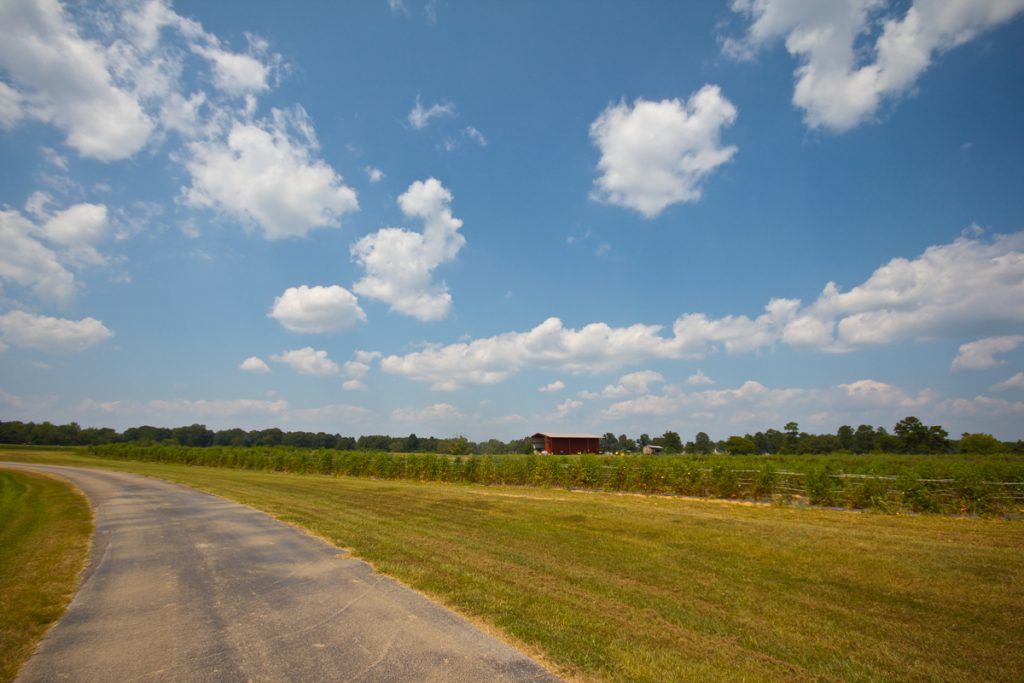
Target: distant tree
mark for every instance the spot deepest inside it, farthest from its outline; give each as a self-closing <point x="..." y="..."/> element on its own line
<point x="609" y="443"/>
<point x="671" y="442"/>
<point x="643" y="441"/>
<point x="626" y="444"/>
<point x="916" y="437"/>
<point x="460" y="446"/>
<point x="863" y="439"/>
<point x="792" y="441"/>
<point x="373" y="442"/>
<point x="845" y="435"/>
<point x="702" y="443"/>
<point x="412" y="443"/>
<point x="740" y="445"/>
<point x="980" y="443"/>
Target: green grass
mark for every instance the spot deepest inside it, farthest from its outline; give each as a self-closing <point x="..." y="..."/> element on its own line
<point x="624" y="587"/>
<point x="45" y="528"/>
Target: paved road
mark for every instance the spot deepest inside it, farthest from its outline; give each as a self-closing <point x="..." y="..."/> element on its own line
<point x="184" y="586"/>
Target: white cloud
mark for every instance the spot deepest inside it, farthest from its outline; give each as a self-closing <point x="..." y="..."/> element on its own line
<point x="254" y="364"/>
<point x="983" y="406"/>
<point x="66" y="80"/>
<point x="948" y="291"/>
<point x="437" y="412"/>
<point x="557" y="385"/>
<point x="398" y="7"/>
<point x="265" y="174"/>
<point x="400" y="263"/>
<point x="25" y="261"/>
<point x="27" y="330"/>
<point x="79" y="229"/>
<point x="317" y="309"/>
<point x="419" y="117"/>
<point x="980" y="355"/>
<point x="874" y="393"/>
<point x="699" y="379"/>
<point x="566" y="407"/>
<point x="216" y="408"/>
<point x="753" y="406"/>
<point x="308" y="361"/>
<point x="475" y="135"/>
<point x="357" y="369"/>
<point x="839" y="83"/>
<point x="328" y="416"/>
<point x="375" y="174"/>
<point x="629" y="385"/>
<point x="655" y="154"/>
<point x="235" y="73"/>
<point x="1015" y="382"/>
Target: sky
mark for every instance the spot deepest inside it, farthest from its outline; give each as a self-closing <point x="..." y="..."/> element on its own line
<point x="496" y="218"/>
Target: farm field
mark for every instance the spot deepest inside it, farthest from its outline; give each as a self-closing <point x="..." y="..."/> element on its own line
<point x="948" y="484"/>
<point x="44" y="537"/>
<point x="605" y="586"/>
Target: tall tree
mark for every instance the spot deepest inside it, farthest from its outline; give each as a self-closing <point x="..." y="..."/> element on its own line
<point x="671" y="442"/>
<point x="702" y="443"/>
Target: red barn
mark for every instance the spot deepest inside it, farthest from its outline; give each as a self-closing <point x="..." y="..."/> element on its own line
<point x="561" y="444"/>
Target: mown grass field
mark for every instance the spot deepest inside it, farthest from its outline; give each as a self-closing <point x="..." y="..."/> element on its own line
<point x="45" y="527"/>
<point x="606" y="586"/>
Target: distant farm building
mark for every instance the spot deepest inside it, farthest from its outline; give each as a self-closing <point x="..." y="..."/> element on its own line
<point x="651" y="449"/>
<point x="561" y="444"/>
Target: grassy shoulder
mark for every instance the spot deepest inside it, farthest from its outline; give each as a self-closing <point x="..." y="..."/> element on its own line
<point x="45" y="527"/>
<point x="625" y="587"/>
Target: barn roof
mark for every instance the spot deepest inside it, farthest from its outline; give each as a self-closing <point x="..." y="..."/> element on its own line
<point x="568" y="435"/>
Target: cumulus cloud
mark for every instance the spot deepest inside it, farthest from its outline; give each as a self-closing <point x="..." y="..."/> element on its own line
<point x="26" y="261"/>
<point x="317" y="309"/>
<point x="66" y="80"/>
<point x="628" y="385"/>
<point x="27" y="330"/>
<point x="699" y="379"/>
<point x="308" y="361"/>
<point x="984" y="406"/>
<point x="1015" y="382"/>
<point x="236" y="73"/>
<point x="437" y="412"/>
<point x="79" y="229"/>
<point x="400" y="263"/>
<point x="839" y="83"/>
<point x="567" y="407"/>
<point x="375" y="174"/>
<point x="655" y="154"/>
<point x="980" y="355"/>
<point x="420" y="116"/>
<point x="357" y="369"/>
<point x="557" y="385"/>
<point x="753" y="405"/>
<point x="254" y="364"/>
<point x="37" y="254"/>
<point x="265" y="174"/>
<point x="949" y="290"/>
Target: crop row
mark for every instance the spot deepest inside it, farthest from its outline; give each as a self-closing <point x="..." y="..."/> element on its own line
<point x="818" y="484"/>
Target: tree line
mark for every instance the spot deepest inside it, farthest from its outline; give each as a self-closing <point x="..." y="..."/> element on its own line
<point x="909" y="435"/>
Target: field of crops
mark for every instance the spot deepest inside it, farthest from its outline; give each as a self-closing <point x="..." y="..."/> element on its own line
<point x="947" y="484"/>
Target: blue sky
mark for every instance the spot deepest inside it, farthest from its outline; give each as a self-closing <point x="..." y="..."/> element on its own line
<point x="491" y="219"/>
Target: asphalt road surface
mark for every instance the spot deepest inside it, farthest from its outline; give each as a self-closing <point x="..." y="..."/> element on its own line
<point x="185" y="586"/>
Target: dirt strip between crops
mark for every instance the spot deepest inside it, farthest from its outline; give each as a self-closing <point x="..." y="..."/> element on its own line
<point x="185" y="586"/>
